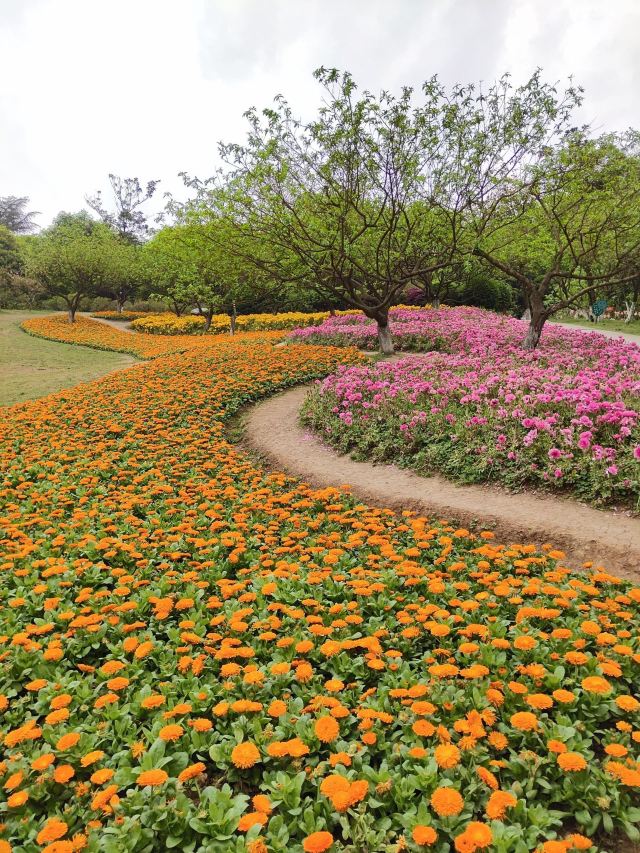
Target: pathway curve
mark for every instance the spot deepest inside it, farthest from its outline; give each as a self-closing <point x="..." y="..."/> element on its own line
<point x="608" y="539"/>
<point x="115" y="324"/>
<point x="608" y="333"/>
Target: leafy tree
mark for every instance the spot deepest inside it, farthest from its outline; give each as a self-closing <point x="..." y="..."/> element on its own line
<point x="193" y="262"/>
<point x="17" y="291"/>
<point x="374" y="193"/>
<point x="127" y="273"/>
<point x="73" y="259"/>
<point x="9" y="254"/>
<point x="128" y="197"/>
<point x="334" y="200"/>
<point x="568" y="226"/>
<point x="14" y="215"/>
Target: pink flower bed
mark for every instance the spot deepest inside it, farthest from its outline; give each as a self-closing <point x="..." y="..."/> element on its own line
<point x="565" y="416"/>
<point x="413" y="330"/>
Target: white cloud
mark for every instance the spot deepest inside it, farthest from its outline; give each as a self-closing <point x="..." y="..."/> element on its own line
<point x="148" y="87"/>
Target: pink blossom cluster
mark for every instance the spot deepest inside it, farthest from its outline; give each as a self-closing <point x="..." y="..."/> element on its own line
<point x="481" y="408"/>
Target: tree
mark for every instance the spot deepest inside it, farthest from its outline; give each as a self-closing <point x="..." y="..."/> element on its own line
<point x="196" y="267"/>
<point x="10" y="261"/>
<point x="127" y="219"/>
<point x="568" y="226"/>
<point x="72" y="259"/>
<point x="373" y="194"/>
<point x="14" y="215"/>
<point x="335" y="200"/>
<point x="127" y="272"/>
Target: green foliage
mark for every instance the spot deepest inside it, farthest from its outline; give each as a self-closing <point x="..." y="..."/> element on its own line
<point x="75" y="258"/>
<point x="481" y="290"/>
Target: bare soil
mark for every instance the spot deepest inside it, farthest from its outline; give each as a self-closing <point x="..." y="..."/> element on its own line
<point x="607" y="539"/>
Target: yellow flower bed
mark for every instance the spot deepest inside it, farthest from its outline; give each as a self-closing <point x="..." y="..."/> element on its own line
<point x="191" y="324"/>
<point x="121" y="316"/>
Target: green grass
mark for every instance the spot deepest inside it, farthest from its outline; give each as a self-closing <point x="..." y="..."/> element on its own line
<point x="632" y="328"/>
<point x="32" y="367"/>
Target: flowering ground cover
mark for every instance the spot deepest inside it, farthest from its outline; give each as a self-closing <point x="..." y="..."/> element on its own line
<point x="121" y="316"/>
<point x="198" y="655"/>
<point x="170" y="324"/>
<point x="414" y="329"/>
<point x="101" y="336"/>
<point x="479" y="409"/>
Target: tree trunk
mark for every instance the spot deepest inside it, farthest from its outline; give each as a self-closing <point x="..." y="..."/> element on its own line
<point x="71" y="312"/>
<point x="207" y="320"/>
<point x="435" y="302"/>
<point x="384" y="338"/>
<point x="532" y="338"/>
<point x="234" y="314"/>
<point x="121" y="302"/>
<point x="631" y="310"/>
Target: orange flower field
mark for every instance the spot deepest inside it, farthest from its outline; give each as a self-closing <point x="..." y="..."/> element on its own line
<point x="201" y="656"/>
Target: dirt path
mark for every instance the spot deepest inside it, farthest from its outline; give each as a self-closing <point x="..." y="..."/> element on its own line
<point x="115" y="324"/>
<point x="608" y="539"/>
<point x="607" y="333"/>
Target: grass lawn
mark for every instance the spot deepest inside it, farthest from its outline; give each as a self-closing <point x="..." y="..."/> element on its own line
<point x="32" y="367"/>
<point x="632" y="328"/>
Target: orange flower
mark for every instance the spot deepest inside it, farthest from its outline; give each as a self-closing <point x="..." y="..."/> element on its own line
<point x="67" y="741"/>
<point x="476" y="836"/>
<point x="191" y="771"/>
<point x="423" y="835"/>
<point x="18" y="799"/>
<point x="423" y="728"/>
<point x="627" y="703"/>
<point x="63" y="773"/>
<point x="333" y="784"/>
<point x="101" y="776"/>
<point x="245" y="755"/>
<point x="171" y="732"/>
<point x="91" y="757"/>
<point x="261" y="803"/>
<point x="326" y="729"/>
<point x="498" y="804"/>
<point x="539" y="701"/>
<point x="43" y="761"/>
<point x="53" y="829"/>
<point x="579" y="842"/>
<point x="277" y="708"/>
<point x="447" y="756"/>
<point x="201" y="724"/>
<point x="596" y="684"/>
<point x="13" y="781"/>
<point x="446" y="802"/>
<point x="525" y="721"/>
<point x="571" y="761"/>
<point x="317" y="842"/>
<point x="152" y="777"/>
<point x="251" y="819"/>
<point x="153" y="701"/>
<point x="564" y="696"/>
<point x="616" y="749"/>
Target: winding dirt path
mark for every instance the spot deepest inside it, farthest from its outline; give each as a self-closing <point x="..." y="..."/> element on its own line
<point x="607" y="539"/>
<point x="115" y="324"/>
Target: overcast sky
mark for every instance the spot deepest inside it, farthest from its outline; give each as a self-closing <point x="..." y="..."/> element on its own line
<point x="146" y="88"/>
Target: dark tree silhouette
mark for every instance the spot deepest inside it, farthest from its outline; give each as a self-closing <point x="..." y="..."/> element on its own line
<point x="127" y="219"/>
<point x="15" y="216"/>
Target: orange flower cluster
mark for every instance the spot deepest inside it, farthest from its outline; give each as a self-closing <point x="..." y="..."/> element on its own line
<point x="183" y="634"/>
